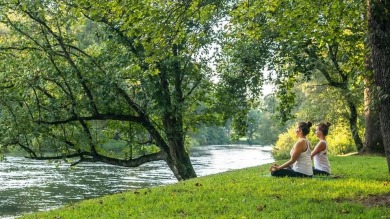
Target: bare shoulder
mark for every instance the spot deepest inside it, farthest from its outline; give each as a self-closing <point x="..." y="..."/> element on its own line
<point x="300" y="144"/>
<point x="302" y="141"/>
<point x="321" y="145"/>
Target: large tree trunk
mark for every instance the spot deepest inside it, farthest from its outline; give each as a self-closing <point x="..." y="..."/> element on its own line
<point x="172" y="102"/>
<point x="178" y="158"/>
<point x="180" y="164"/>
<point x="373" y="138"/>
<point x="378" y="13"/>
<point x="175" y="154"/>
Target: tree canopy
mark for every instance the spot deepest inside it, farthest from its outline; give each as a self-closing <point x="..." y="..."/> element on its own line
<point x="322" y="41"/>
<point x="78" y="73"/>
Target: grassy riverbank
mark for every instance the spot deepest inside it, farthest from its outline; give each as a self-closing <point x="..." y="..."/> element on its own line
<point x="362" y="190"/>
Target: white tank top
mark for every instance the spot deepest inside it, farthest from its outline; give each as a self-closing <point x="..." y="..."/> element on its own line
<point x="321" y="161"/>
<point x="303" y="163"/>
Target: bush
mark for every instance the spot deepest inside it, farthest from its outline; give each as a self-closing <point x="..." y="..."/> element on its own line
<point x="283" y="145"/>
<point x="340" y="140"/>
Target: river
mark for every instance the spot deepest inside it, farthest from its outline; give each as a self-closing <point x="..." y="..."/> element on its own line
<point x="29" y="185"/>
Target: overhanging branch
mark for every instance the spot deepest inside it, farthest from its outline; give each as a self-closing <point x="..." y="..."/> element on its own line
<point x="117" y="117"/>
<point x="126" y="163"/>
<point x="79" y="154"/>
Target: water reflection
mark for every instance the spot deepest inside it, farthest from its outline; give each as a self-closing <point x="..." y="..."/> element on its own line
<point x="29" y="185"/>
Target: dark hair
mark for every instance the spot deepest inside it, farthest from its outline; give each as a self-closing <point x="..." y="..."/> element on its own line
<point x="305" y="127"/>
<point x="324" y="127"/>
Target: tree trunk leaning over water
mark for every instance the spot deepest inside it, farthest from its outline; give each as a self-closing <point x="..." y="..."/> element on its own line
<point x="378" y="13"/>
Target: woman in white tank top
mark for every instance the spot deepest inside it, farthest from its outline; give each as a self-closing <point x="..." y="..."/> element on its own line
<point x="320" y="152"/>
<point x="299" y="164"/>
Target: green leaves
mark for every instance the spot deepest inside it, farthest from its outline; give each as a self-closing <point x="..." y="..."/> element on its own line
<point x="73" y="64"/>
<point x="303" y="38"/>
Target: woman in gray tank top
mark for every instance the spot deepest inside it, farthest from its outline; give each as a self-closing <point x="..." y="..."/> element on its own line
<point x="300" y="164"/>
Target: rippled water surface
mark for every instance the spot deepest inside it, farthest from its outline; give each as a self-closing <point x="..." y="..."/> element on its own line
<point x="29" y="185"/>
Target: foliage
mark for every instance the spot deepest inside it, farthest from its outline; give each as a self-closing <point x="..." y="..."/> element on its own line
<point x="140" y="68"/>
<point x="322" y="42"/>
<point x="122" y="150"/>
<point x="312" y="40"/>
<point x="249" y="193"/>
<point x="317" y="104"/>
<point x="210" y="135"/>
<point x="339" y="140"/>
<point x="263" y="127"/>
<point x="240" y="65"/>
<point x="283" y="145"/>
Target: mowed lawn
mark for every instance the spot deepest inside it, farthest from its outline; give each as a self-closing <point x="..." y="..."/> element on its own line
<point x="359" y="188"/>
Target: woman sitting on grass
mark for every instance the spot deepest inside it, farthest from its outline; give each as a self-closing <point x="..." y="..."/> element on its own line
<point x="320" y="152"/>
<point x="300" y="156"/>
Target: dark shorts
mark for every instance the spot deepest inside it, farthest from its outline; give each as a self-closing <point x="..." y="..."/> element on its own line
<point x="320" y="172"/>
<point x="288" y="173"/>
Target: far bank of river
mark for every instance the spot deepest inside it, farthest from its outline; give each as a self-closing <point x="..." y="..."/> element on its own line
<point x="29" y="185"/>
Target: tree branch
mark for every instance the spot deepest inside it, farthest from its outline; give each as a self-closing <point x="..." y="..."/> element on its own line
<point x="126" y="163"/>
<point x="118" y="117"/>
<point x="333" y="57"/>
<point x="68" y="57"/>
<point x="78" y="154"/>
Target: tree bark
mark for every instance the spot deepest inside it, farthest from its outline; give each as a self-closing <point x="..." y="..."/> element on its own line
<point x="373" y="143"/>
<point x="378" y="14"/>
<point x="178" y="158"/>
<point x="353" y="125"/>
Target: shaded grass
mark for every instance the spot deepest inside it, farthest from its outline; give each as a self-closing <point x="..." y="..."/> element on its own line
<point x="249" y="193"/>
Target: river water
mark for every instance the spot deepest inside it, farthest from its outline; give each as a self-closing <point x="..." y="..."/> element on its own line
<point x="29" y="185"/>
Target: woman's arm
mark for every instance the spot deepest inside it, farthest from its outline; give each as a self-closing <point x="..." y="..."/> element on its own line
<point x="298" y="148"/>
<point x="319" y="147"/>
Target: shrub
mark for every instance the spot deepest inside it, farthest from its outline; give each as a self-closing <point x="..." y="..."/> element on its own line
<point x="282" y="147"/>
<point x="340" y="140"/>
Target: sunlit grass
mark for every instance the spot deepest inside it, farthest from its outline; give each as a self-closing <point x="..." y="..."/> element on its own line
<point x="249" y="193"/>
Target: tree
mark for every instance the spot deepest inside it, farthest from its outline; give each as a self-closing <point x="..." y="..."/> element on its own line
<point x="307" y="38"/>
<point x="133" y="66"/>
<point x="378" y="14"/>
<point x="263" y="128"/>
<point x="373" y="138"/>
<point x="210" y="135"/>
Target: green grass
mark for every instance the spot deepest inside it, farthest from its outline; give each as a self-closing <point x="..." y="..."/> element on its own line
<point x="249" y="193"/>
